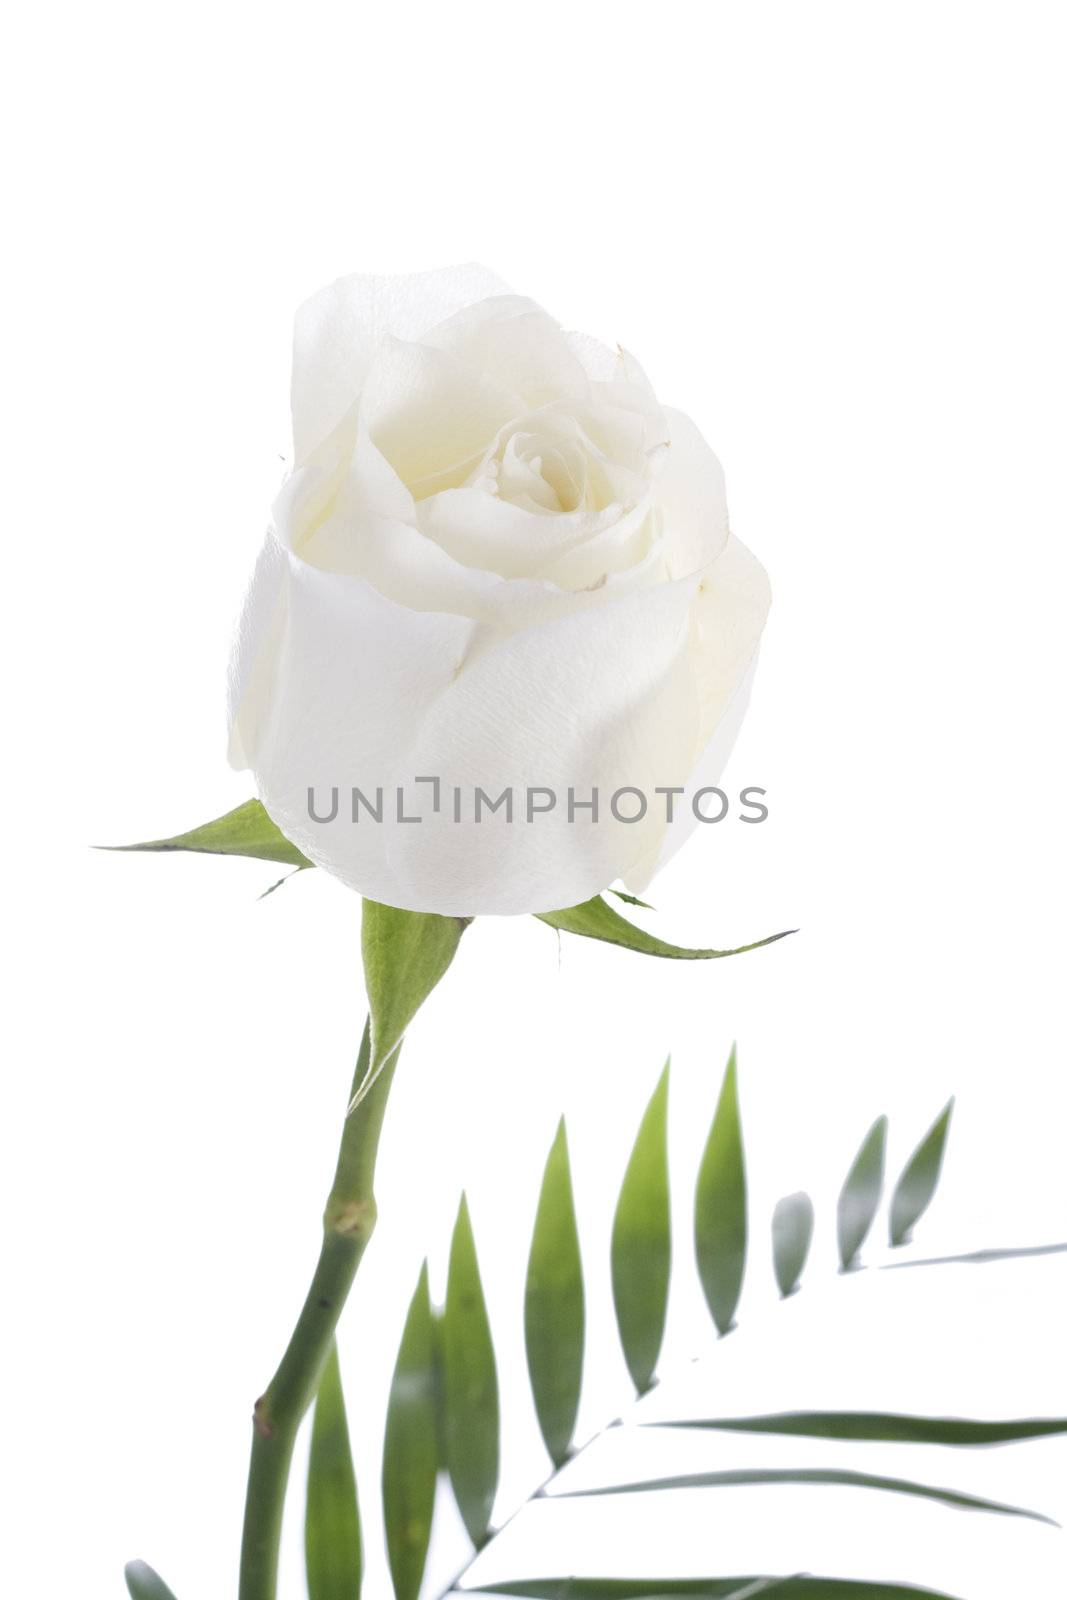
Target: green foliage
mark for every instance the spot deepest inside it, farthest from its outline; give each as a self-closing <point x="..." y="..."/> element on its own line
<point x="860" y="1195"/>
<point x="721" y="1221"/>
<point x="641" y="1243"/>
<point x="791" y="1229"/>
<point x="444" y="1408"/>
<point x="555" y="1306"/>
<point x="333" y="1545"/>
<point x="144" y="1584"/>
<point x="246" y="831"/>
<point x="410" y="1455"/>
<point x="800" y="1587"/>
<point x="471" y="1421"/>
<point x="640" y="1262"/>
<point x="916" y="1184"/>
<point x="595" y="919"/>
<point x="885" y="1427"/>
<point x="405" y="956"/>
<point x="827" y="1476"/>
<point x="249" y="831"/>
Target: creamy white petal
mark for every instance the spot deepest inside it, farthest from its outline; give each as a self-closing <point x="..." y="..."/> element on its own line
<point x="512" y="340"/>
<point x="619" y="548"/>
<point x="257" y="649"/>
<point x="730" y="609"/>
<point x="431" y="417"/>
<point x="500" y="565"/>
<point x="411" y="568"/>
<point x="323" y="508"/>
<point x="354" y="675"/>
<point x="370" y="694"/>
<point x="598" y="701"/>
<point x="338" y="330"/>
<point x="514" y="541"/>
<point x="691" y="493"/>
<point x="602" y="362"/>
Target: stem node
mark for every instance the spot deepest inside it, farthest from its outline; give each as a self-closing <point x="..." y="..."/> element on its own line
<point x="347" y="1225"/>
<point x="352" y="1219"/>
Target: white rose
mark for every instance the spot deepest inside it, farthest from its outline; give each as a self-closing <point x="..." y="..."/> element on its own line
<point x="498" y="563"/>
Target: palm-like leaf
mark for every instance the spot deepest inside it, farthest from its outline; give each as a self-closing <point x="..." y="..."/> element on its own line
<point x="792" y="1226"/>
<point x="883" y="1427"/>
<point x="555" y="1306"/>
<point x="721" y="1224"/>
<point x="916" y="1184"/>
<point x="860" y="1195"/>
<point x="446" y="1386"/>
<point x="145" y="1584"/>
<point x="410" y="1458"/>
<point x="829" y="1477"/>
<point x="800" y="1587"/>
<point x="471" y="1397"/>
<point x="641" y="1243"/>
<point x="333" y="1544"/>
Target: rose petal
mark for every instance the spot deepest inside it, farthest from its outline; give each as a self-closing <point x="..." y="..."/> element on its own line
<point x="512" y="340"/>
<point x="691" y="494"/>
<point x="338" y="330"/>
<point x="603" y="700"/>
<point x="256" y="648"/>
<point x="369" y="693"/>
<point x="429" y="415"/>
<point x="732" y="601"/>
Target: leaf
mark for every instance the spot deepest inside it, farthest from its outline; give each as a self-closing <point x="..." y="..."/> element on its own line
<point x="410" y="1455"/>
<point x="860" y="1195"/>
<point x="144" y="1584"/>
<point x="595" y="919"/>
<point x="835" y="1477"/>
<point x="247" y="831"/>
<point x="471" y="1398"/>
<point x="800" y="1587"/>
<point x="555" y="1306"/>
<point x="917" y="1183"/>
<point x="721" y="1225"/>
<point x="333" y="1545"/>
<point x="883" y="1427"/>
<point x="405" y="955"/>
<point x="641" y="1243"/>
<point x="982" y="1258"/>
<point x="791" y="1229"/>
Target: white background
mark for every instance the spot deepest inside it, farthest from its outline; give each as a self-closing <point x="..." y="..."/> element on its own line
<point x="835" y="235"/>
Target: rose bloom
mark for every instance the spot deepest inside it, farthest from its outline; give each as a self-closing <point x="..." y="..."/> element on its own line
<point x="498" y="563"/>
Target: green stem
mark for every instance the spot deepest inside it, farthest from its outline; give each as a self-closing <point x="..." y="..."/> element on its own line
<point x="348" y="1223"/>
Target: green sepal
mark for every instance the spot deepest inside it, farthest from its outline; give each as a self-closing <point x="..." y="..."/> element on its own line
<point x="405" y="956"/>
<point x="595" y="919"/>
<point x="247" y="831"/>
